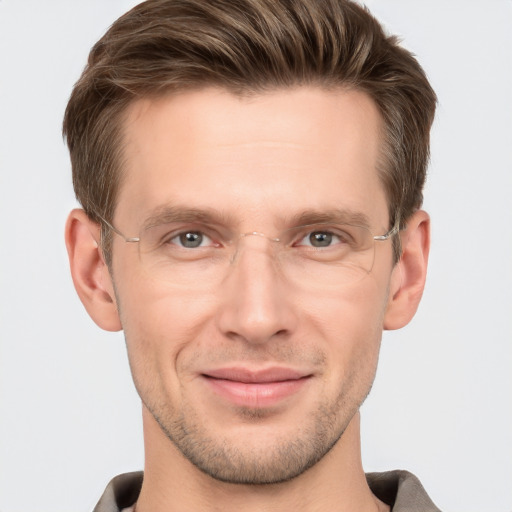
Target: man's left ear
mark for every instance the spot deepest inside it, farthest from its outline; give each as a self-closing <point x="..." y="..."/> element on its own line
<point x="409" y="274"/>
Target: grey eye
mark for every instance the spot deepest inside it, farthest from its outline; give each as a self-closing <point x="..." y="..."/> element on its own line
<point x="190" y="240"/>
<point x="320" y="239"/>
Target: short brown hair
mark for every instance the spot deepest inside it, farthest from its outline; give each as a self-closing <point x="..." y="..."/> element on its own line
<point x="246" y="47"/>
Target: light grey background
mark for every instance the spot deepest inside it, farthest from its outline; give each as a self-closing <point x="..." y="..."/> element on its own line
<point x="441" y="405"/>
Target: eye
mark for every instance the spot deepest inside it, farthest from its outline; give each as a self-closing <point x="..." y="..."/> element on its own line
<point x="321" y="239"/>
<point x="191" y="240"/>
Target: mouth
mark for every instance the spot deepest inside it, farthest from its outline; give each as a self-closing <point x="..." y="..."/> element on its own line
<point x="255" y="389"/>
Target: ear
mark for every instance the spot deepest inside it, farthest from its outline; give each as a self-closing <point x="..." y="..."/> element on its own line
<point x="409" y="274"/>
<point x="89" y="271"/>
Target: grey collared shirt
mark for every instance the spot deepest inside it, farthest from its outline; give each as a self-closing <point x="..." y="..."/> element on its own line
<point x="399" y="489"/>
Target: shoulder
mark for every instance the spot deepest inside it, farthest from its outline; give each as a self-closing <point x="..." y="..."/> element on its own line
<point x="401" y="490"/>
<point x="121" y="492"/>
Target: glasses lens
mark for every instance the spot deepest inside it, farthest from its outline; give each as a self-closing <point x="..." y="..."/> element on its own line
<point x="313" y="256"/>
<point x="327" y="256"/>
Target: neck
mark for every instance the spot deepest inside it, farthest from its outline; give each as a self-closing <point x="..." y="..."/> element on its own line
<point x="337" y="482"/>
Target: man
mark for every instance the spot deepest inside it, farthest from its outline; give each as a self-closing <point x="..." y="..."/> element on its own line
<point x="251" y="178"/>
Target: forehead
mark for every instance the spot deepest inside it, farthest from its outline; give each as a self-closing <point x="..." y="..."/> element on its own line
<point x="256" y="156"/>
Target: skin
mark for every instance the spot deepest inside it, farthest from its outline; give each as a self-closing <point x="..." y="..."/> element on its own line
<point x="259" y="162"/>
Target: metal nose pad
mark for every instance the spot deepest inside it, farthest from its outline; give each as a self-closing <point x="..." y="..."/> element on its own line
<point x="234" y="257"/>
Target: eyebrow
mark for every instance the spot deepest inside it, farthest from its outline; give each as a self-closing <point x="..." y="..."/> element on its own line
<point x="334" y="216"/>
<point x="168" y="214"/>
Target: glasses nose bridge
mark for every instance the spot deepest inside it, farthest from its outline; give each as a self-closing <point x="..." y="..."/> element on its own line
<point x="273" y="241"/>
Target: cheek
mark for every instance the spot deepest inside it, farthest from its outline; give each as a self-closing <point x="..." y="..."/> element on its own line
<point x="351" y="326"/>
<point x="159" y="327"/>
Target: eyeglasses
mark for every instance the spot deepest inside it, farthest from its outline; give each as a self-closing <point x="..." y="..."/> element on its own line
<point x="199" y="256"/>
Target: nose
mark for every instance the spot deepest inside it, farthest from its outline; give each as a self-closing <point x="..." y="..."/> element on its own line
<point x="257" y="303"/>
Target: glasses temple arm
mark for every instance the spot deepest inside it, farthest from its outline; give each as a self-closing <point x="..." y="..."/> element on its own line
<point x="117" y="232"/>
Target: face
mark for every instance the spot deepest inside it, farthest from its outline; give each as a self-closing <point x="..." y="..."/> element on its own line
<point x="255" y="376"/>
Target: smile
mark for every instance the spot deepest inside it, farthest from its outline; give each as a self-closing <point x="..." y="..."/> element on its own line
<point x="258" y="389"/>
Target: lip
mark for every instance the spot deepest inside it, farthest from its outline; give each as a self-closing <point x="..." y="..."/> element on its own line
<point x="255" y="388"/>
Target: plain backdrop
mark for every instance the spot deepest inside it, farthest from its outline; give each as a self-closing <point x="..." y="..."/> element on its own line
<point x="441" y="404"/>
